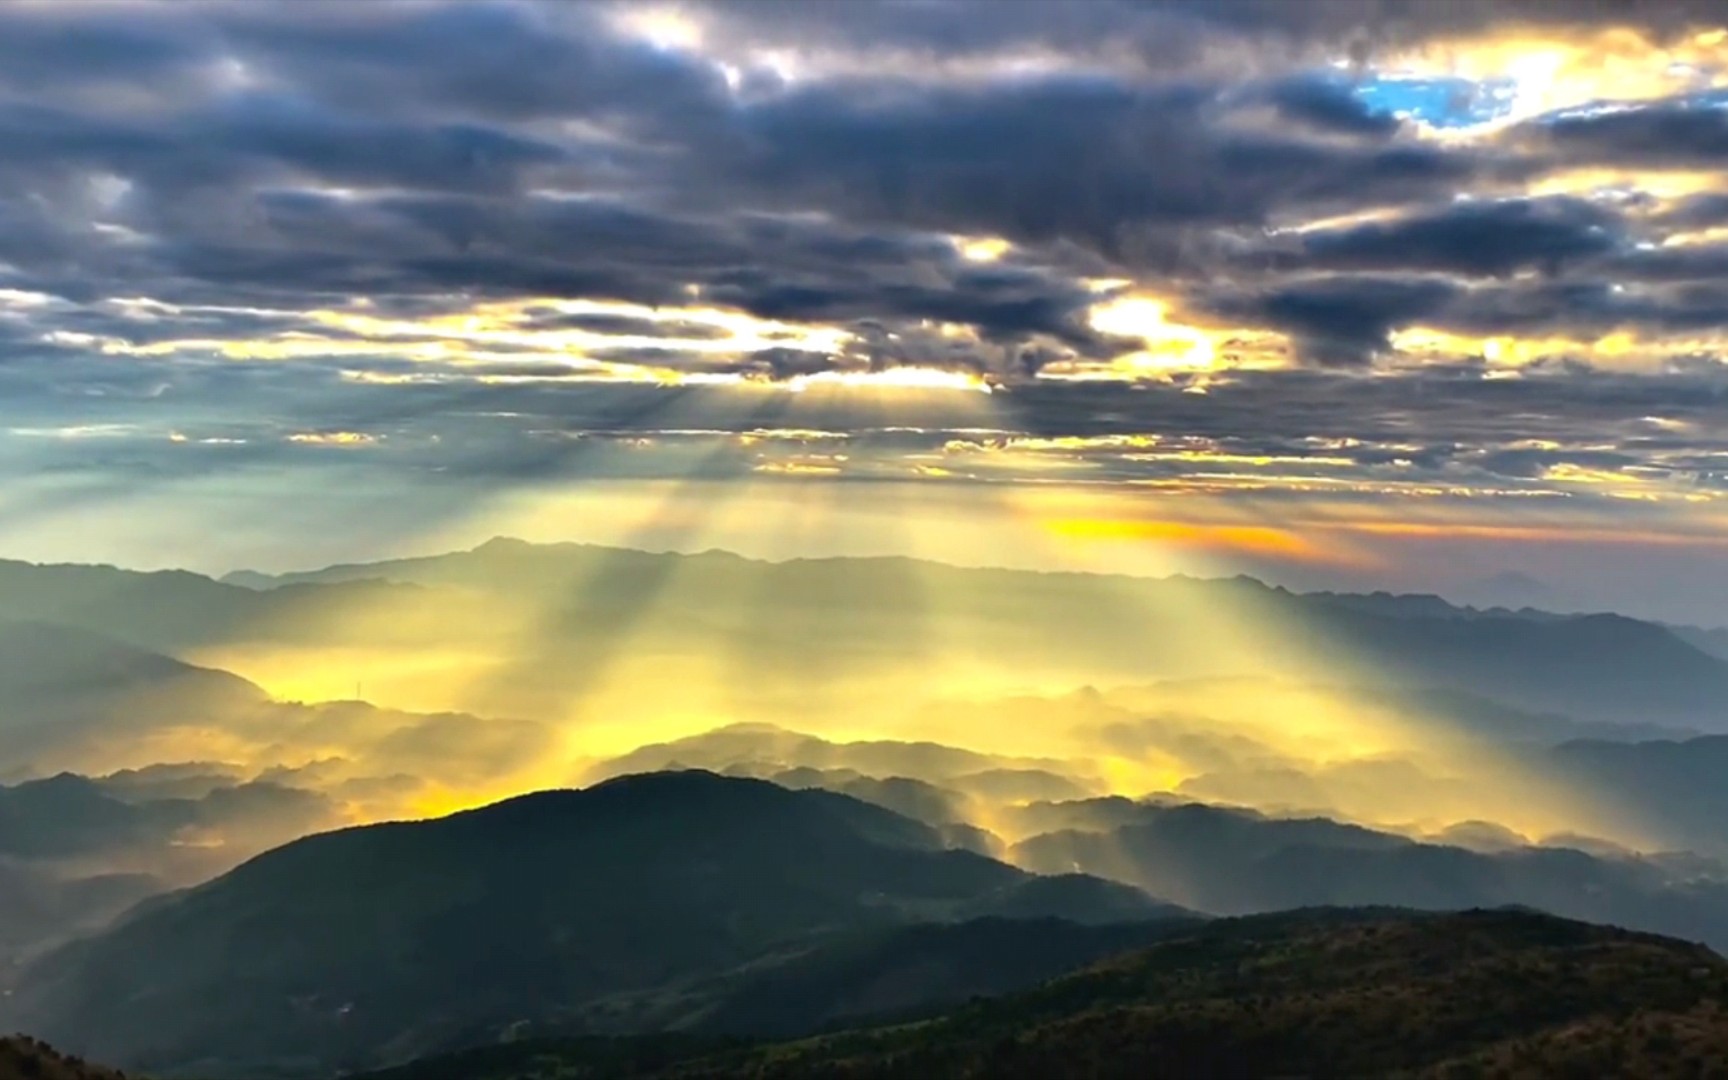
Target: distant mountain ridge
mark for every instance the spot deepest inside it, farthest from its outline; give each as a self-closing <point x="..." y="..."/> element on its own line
<point x="498" y="560"/>
<point x="64" y="685"/>
<point x="571" y="613"/>
<point x="1232" y="862"/>
<point x="1596" y="666"/>
<point x="495" y="561"/>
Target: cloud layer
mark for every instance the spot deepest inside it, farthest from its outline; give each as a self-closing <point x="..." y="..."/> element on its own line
<point x="1474" y="250"/>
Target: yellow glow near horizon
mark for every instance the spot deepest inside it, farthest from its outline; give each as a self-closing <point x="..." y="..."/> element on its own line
<point x="1221" y="538"/>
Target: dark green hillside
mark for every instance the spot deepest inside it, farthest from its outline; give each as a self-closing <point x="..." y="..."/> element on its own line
<point x="1318" y="993"/>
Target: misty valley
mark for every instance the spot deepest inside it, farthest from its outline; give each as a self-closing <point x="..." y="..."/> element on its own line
<point x="657" y="811"/>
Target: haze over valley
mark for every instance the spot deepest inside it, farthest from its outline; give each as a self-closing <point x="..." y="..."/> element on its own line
<point x="1106" y="751"/>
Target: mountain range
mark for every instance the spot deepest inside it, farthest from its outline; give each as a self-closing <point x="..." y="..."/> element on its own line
<point x="693" y="902"/>
<point x="851" y="617"/>
<point x="184" y="890"/>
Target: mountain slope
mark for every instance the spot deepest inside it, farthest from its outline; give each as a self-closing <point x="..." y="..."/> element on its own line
<point x="854" y="976"/>
<point x="1672" y="788"/>
<point x="39" y="908"/>
<point x="63" y="687"/>
<point x="1319" y="993"/>
<point x="47" y="666"/>
<point x="367" y="944"/>
<point x="1596" y="667"/>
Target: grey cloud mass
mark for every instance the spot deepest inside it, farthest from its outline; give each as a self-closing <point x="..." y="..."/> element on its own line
<point x="471" y="239"/>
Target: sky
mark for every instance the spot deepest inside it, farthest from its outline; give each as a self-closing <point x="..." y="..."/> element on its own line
<point x="1371" y="294"/>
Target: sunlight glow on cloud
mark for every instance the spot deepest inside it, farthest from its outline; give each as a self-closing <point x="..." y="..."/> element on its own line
<point x="1169" y="346"/>
<point x="1473" y="85"/>
<point x="907" y="378"/>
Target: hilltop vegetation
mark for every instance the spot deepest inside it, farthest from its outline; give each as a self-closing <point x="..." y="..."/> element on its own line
<point x="25" y="1058"/>
<point x="1314" y="993"/>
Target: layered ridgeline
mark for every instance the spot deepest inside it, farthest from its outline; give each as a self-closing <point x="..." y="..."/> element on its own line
<point x="377" y="943"/>
<point x="576" y="606"/>
<point x="851" y="886"/>
<point x="702" y="904"/>
<point x="68" y="689"/>
<point x="1318" y="993"/>
<point x="1600" y="667"/>
<point x="1230" y="860"/>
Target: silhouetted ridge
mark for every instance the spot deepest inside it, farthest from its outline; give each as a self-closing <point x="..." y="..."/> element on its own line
<point x="25" y="1058"/>
<point x="365" y="943"/>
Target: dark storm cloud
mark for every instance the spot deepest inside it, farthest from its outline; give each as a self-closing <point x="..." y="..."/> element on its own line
<point x="1699" y="262"/>
<point x="1696" y="212"/>
<point x="1337" y="320"/>
<point x="328" y="246"/>
<point x="248" y="139"/>
<point x="622" y="325"/>
<point x="1128" y="171"/>
<point x="458" y="99"/>
<point x="1687" y="132"/>
<point x="1167" y="35"/>
<point x="1483" y="238"/>
<point x="48" y="48"/>
<point x="1330" y="105"/>
<point x="501" y="60"/>
<point x="1588" y="308"/>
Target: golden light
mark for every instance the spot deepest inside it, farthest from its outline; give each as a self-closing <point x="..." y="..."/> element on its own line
<point x="893" y="378"/>
<point x="982" y="248"/>
<point x="1623" y="350"/>
<point x="1549" y="72"/>
<point x="1218" y="538"/>
<point x="1168" y="346"/>
<point x="663" y="27"/>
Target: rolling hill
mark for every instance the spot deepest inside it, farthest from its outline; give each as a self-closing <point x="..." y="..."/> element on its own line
<point x="370" y="944"/>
